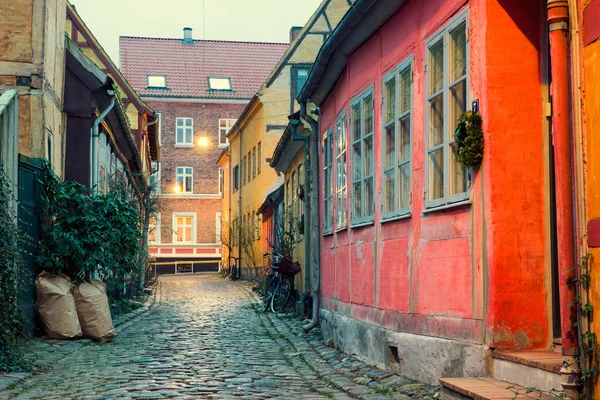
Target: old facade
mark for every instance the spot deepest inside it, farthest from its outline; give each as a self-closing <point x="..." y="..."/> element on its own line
<point x="199" y="88"/>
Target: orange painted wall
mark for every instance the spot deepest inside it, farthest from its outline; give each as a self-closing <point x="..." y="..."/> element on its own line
<point x="475" y="272"/>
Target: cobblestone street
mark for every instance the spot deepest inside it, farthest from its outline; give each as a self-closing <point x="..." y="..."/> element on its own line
<point x="204" y="338"/>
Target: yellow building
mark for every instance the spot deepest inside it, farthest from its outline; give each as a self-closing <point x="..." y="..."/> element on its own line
<point x="257" y="131"/>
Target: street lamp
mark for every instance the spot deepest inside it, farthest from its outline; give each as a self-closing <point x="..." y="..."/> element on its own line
<point x="203" y="141"/>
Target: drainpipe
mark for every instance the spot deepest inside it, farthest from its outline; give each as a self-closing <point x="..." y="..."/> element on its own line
<point x="315" y="231"/>
<point x="95" y="135"/>
<point x="306" y="140"/>
<point x="558" y="22"/>
<point x="239" y="224"/>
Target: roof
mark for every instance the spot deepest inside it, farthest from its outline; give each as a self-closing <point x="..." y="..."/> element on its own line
<point x="357" y="25"/>
<point x="188" y="66"/>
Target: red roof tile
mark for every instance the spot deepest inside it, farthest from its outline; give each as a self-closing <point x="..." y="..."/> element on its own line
<point x="188" y="66"/>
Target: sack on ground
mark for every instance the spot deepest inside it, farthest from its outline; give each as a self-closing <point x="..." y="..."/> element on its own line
<point x="94" y="311"/>
<point x="56" y="306"/>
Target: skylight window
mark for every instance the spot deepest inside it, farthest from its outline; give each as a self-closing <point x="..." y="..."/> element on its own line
<point x="215" y="83"/>
<point x="157" y="81"/>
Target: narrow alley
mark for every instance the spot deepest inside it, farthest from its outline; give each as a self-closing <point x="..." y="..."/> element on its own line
<point x="204" y="338"/>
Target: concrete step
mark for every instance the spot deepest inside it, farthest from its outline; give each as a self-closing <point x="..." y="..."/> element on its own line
<point x="538" y="369"/>
<point x="484" y="389"/>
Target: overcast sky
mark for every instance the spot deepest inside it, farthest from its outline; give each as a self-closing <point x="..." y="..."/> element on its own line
<point x="246" y="20"/>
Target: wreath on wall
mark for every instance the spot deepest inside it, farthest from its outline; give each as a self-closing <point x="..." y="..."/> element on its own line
<point x="469" y="140"/>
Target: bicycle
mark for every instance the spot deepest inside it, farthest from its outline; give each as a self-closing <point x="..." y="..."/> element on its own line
<point x="279" y="283"/>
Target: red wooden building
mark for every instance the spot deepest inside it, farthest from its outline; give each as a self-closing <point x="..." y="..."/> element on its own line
<point x="426" y="266"/>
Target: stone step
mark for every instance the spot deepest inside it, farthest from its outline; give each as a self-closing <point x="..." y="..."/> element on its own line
<point x="538" y="369"/>
<point x="484" y="389"/>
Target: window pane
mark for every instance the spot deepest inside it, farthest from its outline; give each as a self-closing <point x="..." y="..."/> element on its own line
<point x="436" y="174"/>
<point x="188" y="234"/>
<point x="188" y="183"/>
<point x="458" y="52"/>
<point x="368" y="167"/>
<point x="436" y="121"/>
<point x="369" y="206"/>
<point x="341" y="171"/>
<point x="404" y="136"/>
<point x="458" y="104"/>
<point x="389" y="155"/>
<point x="355" y="122"/>
<point x="390" y="100"/>
<point x="404" y="187"/>
<point x="368" y="117"/>
<point x="157" y="81"/>
<point x="179" y="121"/>
<point x="356" y="200"/>
<point x="405" y="77"/>
<point x="179" y="135"/>
<point x="188" y="122"/>
<point x="180" y="183"/>
<point x="188" y="171"/>
<point x="341" y="208"/>
<point x="356" y="161"/>
<point x="436" y="67"/>
<point x="458" y="177"/>
<point x="390" y="191"/>
<point x="188" y="136"/>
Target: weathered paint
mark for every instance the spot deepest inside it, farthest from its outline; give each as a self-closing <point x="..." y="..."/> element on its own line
<point x="474" y="272"/>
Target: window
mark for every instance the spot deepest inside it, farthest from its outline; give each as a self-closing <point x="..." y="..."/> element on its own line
<point x="157" y="82"/>
<point x="185" y="180"/>
<point x="299" y="78"/>
<point x="341" y="192"/>
<point x="258" y="156"/>
<point x="361" y="128"/>
<point x="300" y="203"/>
<point x="236" y="178"/>
<point x="258" y="226"/>
<point x="225" y="125"/>
<point x="155" y="177"/>
<point x="218" y="228"/>
<point x="184" y="228"/>
<point x="249" y="167"/>
<point x="49" y="149"/>
<point x="102" y="179"/>
<point x="184" y="132"/>
<point x="294" y="204"/>
<point x="244" y="165"/>
<point x="446" y="89"/>
<point x="327" y="180"/>
<point x="253" y="162"/>
<point x="154" y="230"/>
<point x="221" y="178"/>
<point x="216" y="83"/>
<point x="397" y="140"/>
<point x="158" y="116"/>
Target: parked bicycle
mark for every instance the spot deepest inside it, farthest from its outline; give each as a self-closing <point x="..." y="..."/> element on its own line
<point x="280" y="282"/>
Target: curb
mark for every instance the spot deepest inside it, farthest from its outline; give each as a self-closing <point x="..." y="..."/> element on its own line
<point x="121" y="323"/>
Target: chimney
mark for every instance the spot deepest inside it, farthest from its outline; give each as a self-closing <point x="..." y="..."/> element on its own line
<point x="187" y="36"/>
<point x="294" y="31"/>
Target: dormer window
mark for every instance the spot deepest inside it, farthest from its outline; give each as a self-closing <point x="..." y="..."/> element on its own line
<point x="215" y="83"/>
<point x="157" y="82"/>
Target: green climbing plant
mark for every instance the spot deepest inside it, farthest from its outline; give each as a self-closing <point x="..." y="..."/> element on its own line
<point x="469" y="140"/>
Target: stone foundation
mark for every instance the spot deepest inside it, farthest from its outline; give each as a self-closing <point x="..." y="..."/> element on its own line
<point x="418" y="357"/>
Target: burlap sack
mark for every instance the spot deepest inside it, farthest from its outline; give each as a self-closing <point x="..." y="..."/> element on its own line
<point x="56" y="306"/>
<point x="93" y="310"/>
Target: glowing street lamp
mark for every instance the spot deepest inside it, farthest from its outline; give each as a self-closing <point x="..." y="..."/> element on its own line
<point x="177" y="189"/>
<point x="203" y="142"/>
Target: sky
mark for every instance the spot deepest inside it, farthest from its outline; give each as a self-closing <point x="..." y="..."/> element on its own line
<point x="244" y="20"/>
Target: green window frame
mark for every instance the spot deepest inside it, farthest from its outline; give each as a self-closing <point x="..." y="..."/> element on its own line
<point x="447" y="97"/>
<point x="327" y="181"/>
<point x="362" y="127"/>
<point x="341" y="175"/>
<point x="397" y="121"/>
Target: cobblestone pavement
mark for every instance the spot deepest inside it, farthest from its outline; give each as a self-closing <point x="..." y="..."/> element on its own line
<point x="206" y="339"/>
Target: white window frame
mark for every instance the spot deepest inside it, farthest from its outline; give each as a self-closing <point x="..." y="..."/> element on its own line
<point x="229" y="123"/>
<point x="184" y="175"/>
<point x="362" y="218"/>
<point x="149" y="86"/>
<point x="191" y="215"/>
<point x="156" y="231"/>
<point x="184" y="128"/>
<point x="216" y="81"/>
<point x="218" y="224"/>
<point x="341" y="186"/>
<point x="443" y="35"/>
<point x="156" y="189"/>
<point x="395" y="167"/>
<point x="328" y="188"/>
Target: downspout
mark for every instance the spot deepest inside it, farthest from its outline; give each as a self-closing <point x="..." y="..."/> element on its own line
<point x="307" y="240"/>
<point x="315" y="231"/>
<point x="558" y="22"/>
<point x="95" y="135"/>
<point x="239" y="226"/>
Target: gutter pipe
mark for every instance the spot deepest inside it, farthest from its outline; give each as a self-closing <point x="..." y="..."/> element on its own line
<point x="95" y="135"/>
<point x="307" y="240"/>
<point x="315" y="231"/>
<point x="240" y="219"/>
<point x="558" y="22"/>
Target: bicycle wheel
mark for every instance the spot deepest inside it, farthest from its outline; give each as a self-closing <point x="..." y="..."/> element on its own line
<point x="269" y="291"/>
<point x="282" y="295"/>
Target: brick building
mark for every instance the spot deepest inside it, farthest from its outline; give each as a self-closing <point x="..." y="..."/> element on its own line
<point x="199" y="88"/>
